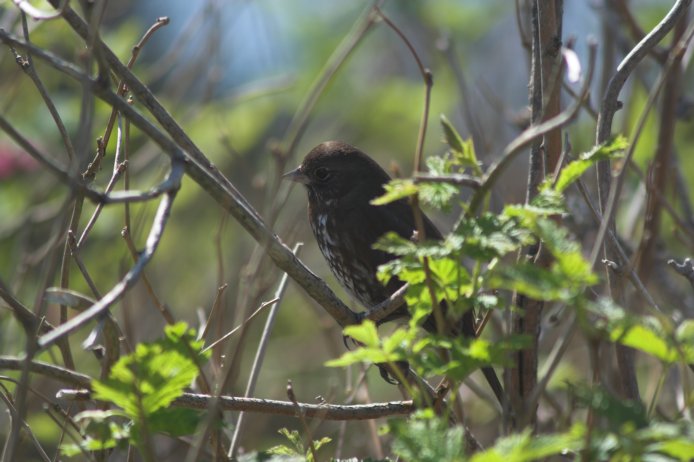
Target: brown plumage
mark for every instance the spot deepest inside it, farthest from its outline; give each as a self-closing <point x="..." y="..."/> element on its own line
<point x="341" y="181"/>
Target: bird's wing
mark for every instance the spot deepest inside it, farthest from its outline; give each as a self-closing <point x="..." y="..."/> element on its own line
<point x="375" y="221"/>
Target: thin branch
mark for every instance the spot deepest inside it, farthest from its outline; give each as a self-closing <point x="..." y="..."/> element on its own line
<point x="118" y="169"/>
<point x="209" y="178"/>
<point x="686" y="268"/>
<point x="24" y="315"/>
<point x="158" y="225"/>
<point x="387" y="306"/>
<point x="274" y="407"/>
<point x="530" y="134"/>
<point x="610" y="103"/>
<point x="300" y="120"/>
<point x="95" y="164"/>
<point x="74" y="183"/>
<point x="458" y="179"/>
<point x="27" y="65"/>
<point x="302" y="418"/>
<point x="49" y="370"/>
<point x="40" y="15"/>
<point x="260" y="354"/>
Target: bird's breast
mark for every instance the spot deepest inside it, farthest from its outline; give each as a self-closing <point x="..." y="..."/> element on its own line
<point x="346" y="259"/>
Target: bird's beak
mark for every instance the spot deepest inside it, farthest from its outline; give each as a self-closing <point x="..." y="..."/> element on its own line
<point x="296" y="175"/>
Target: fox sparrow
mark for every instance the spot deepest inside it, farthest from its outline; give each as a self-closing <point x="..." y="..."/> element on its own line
<point x="341" y="181"/>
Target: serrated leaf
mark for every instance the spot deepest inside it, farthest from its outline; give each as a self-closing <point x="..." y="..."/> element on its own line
<point x="427" y="438"/>
<point x="438" y="195"/>
<point x="154" y="374"/>
<point x="490" y="236"/>
<point x="438" y="165"/>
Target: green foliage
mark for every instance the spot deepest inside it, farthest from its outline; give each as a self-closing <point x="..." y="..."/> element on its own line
<point x="617" y="411"/>
<point x="609" y="150"/>
<point x="463" y="152"/>
<point x="374" y="349"/>
<point x="395" y="190"/>
<point x="436" y="267"/>
<point x="143" y="384"/>
<point x="295" y="448"/>
<point x="652" y="335"/>
<point x="524" y="446"/>
<point x="464" y="355"/>
<point x="438" y="279"/>
<point x="440" y="195"/>
<point x="427" y="438"/>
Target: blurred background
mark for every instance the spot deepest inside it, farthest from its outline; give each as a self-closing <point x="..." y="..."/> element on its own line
<point x="236" y="76"/>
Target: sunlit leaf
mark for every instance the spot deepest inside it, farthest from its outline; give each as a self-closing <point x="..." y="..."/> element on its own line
<point x="609" y="150"/>
<point x="395" y="190"/>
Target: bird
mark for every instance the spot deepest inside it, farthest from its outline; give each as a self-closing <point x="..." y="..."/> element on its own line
<point x="341" y="182"/>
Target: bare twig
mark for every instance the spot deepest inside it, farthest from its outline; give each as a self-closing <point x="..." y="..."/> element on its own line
<point x="458" y="179"/>
<point x="27" y="65"/>
<point x="662" y="158"/>
<point x="57" y="170"/>
<point x="610" y="104"/>
<point x="209" y="178"/>
<point x="274" y="407"/>
<point x="302" y="418"/>
<point x="529" y="135"/>
<point x="130" y="278"/>
<point x="40" y="15"/>
<point x="260" y="354"/>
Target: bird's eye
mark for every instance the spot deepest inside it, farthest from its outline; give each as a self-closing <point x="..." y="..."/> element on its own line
<point x="322" y="173"/>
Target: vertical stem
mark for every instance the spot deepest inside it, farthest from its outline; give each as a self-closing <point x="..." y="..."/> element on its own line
<point x="545" y="85"/>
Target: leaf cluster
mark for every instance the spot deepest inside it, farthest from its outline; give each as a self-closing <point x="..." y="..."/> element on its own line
<point x="142" y="385"/>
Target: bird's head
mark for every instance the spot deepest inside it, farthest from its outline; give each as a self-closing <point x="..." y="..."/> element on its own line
<point x="335" y="171"/>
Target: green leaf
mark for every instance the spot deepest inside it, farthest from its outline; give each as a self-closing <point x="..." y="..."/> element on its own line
<point x="365" y="333"/>
<point x="608" y="150"/>
<point x="643" y="333"/>
<point x="427" y="438"/>
<point x="464" y="355"/>
<point x="463" y="151"/>
<point x="395" y="190"/>
<point x="685" y="336"/>
<point x="533" y="281"/>
<point x="452" y="138"/>
<point x="438" y="195"/>
<point x="154" y="374"/>
<point x="101" y="430"/>
<point x="372" y="349"/>
<point x="296" y="449"/>
<point x="438" y="165"/>
<point x="395" y="244"/>
<point x="645" y="339"/>
<point x="489" y="236"/>
<point x="176" y="421"/>
<point x="524" y="446"/>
